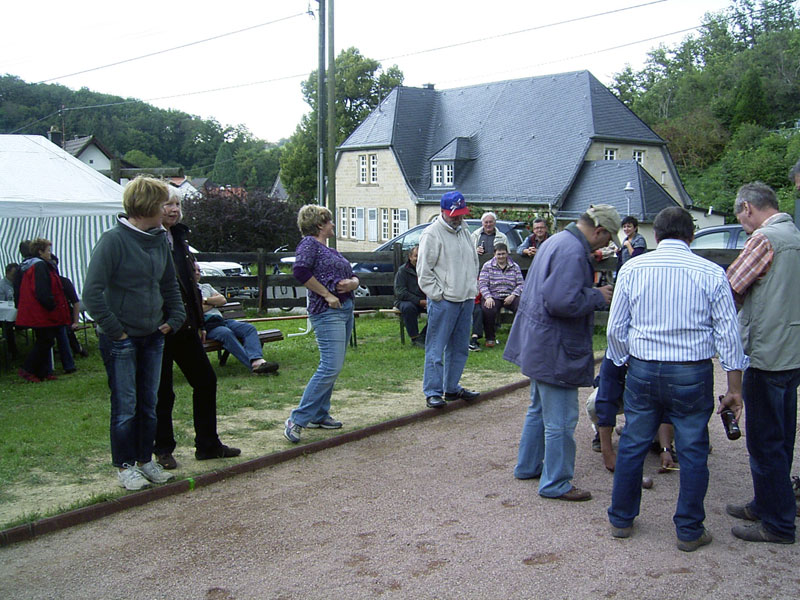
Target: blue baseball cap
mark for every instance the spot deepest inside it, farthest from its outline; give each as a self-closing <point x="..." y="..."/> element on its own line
<point x="454" y="204"/>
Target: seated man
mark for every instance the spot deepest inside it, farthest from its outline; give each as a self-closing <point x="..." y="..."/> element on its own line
<point x="500" y="285"/>
<point x="238" y="338"/>
<point x="535" y="239"/>
<point x="409" y="299"/>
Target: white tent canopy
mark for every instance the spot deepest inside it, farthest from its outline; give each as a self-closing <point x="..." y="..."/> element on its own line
<point x="46" y="192"/>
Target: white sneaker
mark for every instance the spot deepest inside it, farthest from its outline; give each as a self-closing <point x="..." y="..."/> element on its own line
<point x="154" y="472"/>
<point x="131" y="478"/>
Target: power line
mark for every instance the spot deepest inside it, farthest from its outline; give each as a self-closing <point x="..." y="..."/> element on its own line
<point x="195" y="43"/>
<point x="510" y="33"/>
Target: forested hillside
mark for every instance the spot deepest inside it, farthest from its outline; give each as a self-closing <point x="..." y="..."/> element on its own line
<point x="145" y="135"/>
<point x="727" y="100"/>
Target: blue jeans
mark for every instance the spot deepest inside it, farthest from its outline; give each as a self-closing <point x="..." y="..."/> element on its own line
<point x="770" y="399"/>
<point x="685" y="393"/>
<point x="446" y="346"/>
<point x="332" y="328"/>
<point x="240" y="339"/>
<point x="133" y="366"/>
<point x="547" y="445"/>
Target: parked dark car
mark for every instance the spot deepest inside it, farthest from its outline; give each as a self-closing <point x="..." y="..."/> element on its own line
<point x="719" y="237"/>
<point x="515" y="231"/>
<point x="731" y="237"/>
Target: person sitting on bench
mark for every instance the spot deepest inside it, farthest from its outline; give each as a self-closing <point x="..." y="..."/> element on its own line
<point x="238" y="338"/>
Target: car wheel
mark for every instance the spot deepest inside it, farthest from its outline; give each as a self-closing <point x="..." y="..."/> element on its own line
<point x="361" y="291"/>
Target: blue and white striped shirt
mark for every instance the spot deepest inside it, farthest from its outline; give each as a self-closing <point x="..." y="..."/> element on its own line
<point x="674" y="306"/>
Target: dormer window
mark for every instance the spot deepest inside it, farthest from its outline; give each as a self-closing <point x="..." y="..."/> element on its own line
<point x="442" y="174"/>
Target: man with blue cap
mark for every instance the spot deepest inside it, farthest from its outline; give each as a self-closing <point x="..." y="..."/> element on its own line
<point x="447" y="271"/>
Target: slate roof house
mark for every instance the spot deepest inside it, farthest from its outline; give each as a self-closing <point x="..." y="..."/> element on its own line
<point x="554" y="143"/>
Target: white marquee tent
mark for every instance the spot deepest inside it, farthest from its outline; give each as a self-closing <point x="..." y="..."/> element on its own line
<point x="46" y="192"/>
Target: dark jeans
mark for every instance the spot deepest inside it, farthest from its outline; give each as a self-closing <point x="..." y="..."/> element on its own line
<point x="490" y="314"/>
<point x="410" y="313"/>
<point x="186" y="350"/>
<point x="133" y="366"/>
<point x="770" y="400"/>
<point x="38" y="360"/>
<point x="65" y="348"/>
<point x="685" y="392"/>
<point x="477" y="321"/>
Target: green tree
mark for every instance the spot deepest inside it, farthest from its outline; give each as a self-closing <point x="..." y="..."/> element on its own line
<point x="141" y="160"/>
<point x="751" y="103"/>
<point x="224" y="172"/>
<point x="360" y="87"/>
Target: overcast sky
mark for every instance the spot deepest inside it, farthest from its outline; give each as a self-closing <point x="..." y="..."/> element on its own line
<point x="430" y="40"/>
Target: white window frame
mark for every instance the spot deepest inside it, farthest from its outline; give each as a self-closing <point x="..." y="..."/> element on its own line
<point x="638" y="156"/>
<point x="362" y="169"/>
<point x="449" y="174"/>
<point x="359" y="223"/>
<point x="384" y="224"/>
<point x="437" y="175"/>
<point x="399" y="221"/>
<point x="372" y="224"/>
<point x="610" y="154"/>
<point x="373" y="169"/>
<point x="353" y="228"/>
<point x="342" y="221"/>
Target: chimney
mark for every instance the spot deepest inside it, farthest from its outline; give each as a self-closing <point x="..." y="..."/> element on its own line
<point x="427" y="86"/>
<point x="55" y="136"/>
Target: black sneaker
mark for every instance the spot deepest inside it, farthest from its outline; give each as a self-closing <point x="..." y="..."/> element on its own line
<point x="221" y="451"/>
<point x="596" y="443"/>
<point x="462" y="394"/>
<point x="473" y="346"/>
<point x="434" y="402"/>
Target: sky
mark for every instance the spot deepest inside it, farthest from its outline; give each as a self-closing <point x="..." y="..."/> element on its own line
<point x="255" y="72"/>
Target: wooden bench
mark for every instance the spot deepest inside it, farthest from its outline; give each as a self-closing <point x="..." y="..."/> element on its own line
<point x="233" y="310"/>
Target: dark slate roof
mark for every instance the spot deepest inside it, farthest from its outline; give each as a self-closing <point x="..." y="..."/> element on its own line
<point x="517" y="141"/>
<point x="604" y="182"/>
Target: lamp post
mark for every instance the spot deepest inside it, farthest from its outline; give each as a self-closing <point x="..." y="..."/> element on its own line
<point x="628" y="191"/>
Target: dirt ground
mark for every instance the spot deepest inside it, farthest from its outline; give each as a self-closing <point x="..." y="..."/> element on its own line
<point x="429" y="510"/>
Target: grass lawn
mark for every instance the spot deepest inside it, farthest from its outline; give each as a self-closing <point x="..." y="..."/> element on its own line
<point x="54" y="439"/>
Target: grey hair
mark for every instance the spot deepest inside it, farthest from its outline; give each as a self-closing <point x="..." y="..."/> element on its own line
<point x="759" y="194"/>
<point x="489" y="214"/>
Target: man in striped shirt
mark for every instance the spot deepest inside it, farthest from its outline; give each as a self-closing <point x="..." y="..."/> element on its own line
<point x="672" y="312"/>
<point x="765" y="278"/>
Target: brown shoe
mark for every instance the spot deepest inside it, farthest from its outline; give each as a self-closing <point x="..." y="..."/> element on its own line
<point x="167" y="461"/>
<point x="575" y="495"/>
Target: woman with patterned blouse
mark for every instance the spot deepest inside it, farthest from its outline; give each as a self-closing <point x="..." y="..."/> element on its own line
<point x="329" y="279"/>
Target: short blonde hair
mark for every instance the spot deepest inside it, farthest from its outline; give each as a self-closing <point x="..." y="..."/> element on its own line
<point x="144" y="197"/>
<point x="311" y="218"/>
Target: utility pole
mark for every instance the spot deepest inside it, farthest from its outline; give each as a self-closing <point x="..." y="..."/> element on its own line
<point x="331" y="120"/>
<point x="321" y="107"/>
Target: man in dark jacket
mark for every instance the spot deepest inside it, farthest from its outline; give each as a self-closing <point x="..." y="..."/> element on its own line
<point x="185" y="347"/>
<point x="409" y="299"/>
<point x="551" y="342"/>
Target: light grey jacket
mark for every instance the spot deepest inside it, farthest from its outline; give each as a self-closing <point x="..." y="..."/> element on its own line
<point x="447" y="267"/>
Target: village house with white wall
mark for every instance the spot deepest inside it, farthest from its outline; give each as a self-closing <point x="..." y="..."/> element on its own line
<point x="552" y="144"/>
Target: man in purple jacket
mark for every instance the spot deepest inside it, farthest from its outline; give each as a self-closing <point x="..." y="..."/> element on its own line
<point x="551" y="342"/>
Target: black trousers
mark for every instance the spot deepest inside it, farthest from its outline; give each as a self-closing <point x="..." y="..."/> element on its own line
<point x="186" y="350"/>
<point x="490" y="314"/>
<point x="11" y="337"/>
<point x="38" y="360"/>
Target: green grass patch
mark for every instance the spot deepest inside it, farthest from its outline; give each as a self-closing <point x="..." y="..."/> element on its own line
<point x="54" y="436"/>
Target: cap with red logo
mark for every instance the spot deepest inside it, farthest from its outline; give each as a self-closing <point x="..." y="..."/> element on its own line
<point x="453" y="204"/>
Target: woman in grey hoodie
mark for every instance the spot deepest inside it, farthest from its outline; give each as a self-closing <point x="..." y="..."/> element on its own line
<point x="132" y="294"/>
